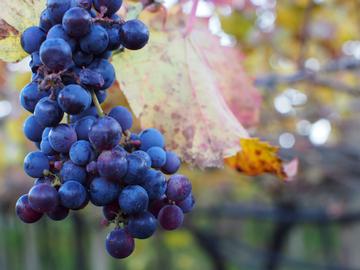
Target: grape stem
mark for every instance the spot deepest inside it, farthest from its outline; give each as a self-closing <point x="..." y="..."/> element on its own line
<point x="97" y="104"/>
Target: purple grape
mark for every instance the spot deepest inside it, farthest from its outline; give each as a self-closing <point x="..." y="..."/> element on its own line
<point x="112" y="6"/>
<point x="187" y="205"/>
<point x="91" y="168"/>
<point x="35" y="163"/>
<point x="154" y="183"/>
<point x="101" y="95"/>
<point x="73" y="172"/>
<point x="81" y="153"/>
<point x="82" y="59"/>
<point x="143" y="155"/>
<point x="76" y="22"/>
<point x="62" y="137"/>
<point x="135" y="170"/>
<point x="73" y="99"/>
<point x="91" y="79"/>
<point x="35" y="62"/>
<point x="32" y="38"/>
<point x="72" y="194"/>
<point x="25" y="212"/>
<point x="114" y="36"/>
<point x="105" y="134"/>
<point x="43" y="198"/>
<point x="57" y="8"/>
<point x="133" y="199"/>
<point x="96" y="41"/>
<point x="172" y="163"/>
<point x="151" y="137"/>
<point x="123" y="116"/>
<point x="157" y="205"/>
<point x="32" y="129"/>
<point x="103" y="192"/>
<point x="171" y="217"/>
<point x="112" y="165"/>
<point x="56" y="54"/>
<point x="110" y="211"/>
<point x="157" y="155"/>
<point x="57" y="31"/>
<point x="134" y="34"/>
<point x="45" y="20"/>
<point x="119" y="243"/>
<point x="82" y="127"/>
<point x="30" y="96"/>
<point x="178" y="188"/>
<point x="59" y="213"/>
<point x="106" y="69"/>
<point x="142" y="225"/>
<point x="48" y="113"/>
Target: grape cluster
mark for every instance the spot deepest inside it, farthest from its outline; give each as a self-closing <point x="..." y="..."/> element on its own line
<point x="85" y="155"/>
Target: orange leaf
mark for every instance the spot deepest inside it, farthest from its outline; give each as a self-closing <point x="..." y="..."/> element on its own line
<point x="259" y="157"/>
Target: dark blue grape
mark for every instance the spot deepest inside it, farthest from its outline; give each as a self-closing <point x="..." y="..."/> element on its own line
<point x="101" y="95"/>
<point x="57" y="8"/>
<point x="151" y="137"/>
<point x="57" y="31"/>
<point x="82" y="127"/>
<point x="133" y="199"/>
<point x="82" y="59"/>
<point x="32" y="38"/>
<point x="178" y="188"/>
<point x="72" y="194"/>
<point x="103" y="192"/>
<point x="119" y="243"/>
<point x="73" y="99"/>
<point x="105" y="134"/>
<point x="154" y="183"/>
<point x="86" y="4"/>
<point x="32" y="129"/>
<point x="92" y="111"/>
<point x="112" y="6"/>
<point x="48" y="113"/>
<point x="45" y="20"/>
<point x="187" y="205"/>
<point x="30" y="96"/>
<point x="77" y="22"/>
<point x="106" y="69"/>
<point x="25" y="212"/>
<point x="35" y="163"/>
<point x="123" y="116"/>
<point x="55" y="53"/>
<point x="43" y="198"/>
<point x="96" y="41"/>
<point x="171" y="217"/>
<point x="81" y="153"/>
<point x="110" y="211"/>
<point x="134" y="34"/>
<point x="91" y="79"/>
<point x="143" y="155"/>
<point x="142" y="225"/>
<point x="136" y="169"/>
<point x="62" y="137"/>
<point x="45" y="144"/>
<point x="72" y="172"/>
<point x="172" y="163"/>
<point x="157" y="155"/>
<point x="114" y="37"/>
<point x="35" y="62"/>
<point x="59" y="213"/>
<point x="91" y="168"/>
<point x="112" y="165"/>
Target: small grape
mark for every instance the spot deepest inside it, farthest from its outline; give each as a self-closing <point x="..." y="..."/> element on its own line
<point x="105" y="133"/>
<point x="81" y="153"/>
<point x="187" y="205"/>
<point x="62" y="137"/>
<point x="151" y="137"/>
<point x="55" y="53"/>
<point x="59" y="213"/>
<point x="134" y="34"/>
<point x="119" y="243"/>
<point x="123" y="116"/>
<point x="133" y="199"/>
<point x="57" y="8"/>
<point x="96" y="41"/>
<point x="82" y="127"/>
<point x="35" y="62"/>
<point x="30" y="96"/>
<point x="106" y="69"/>
<point x="32" y="129"/>
<point x="172" y="163"/>
<point x="112" y="165"/>
<point x="82" y="59"/>
<point x="143" y="155"/>
<point x="32" y="38"/>
<point x="43" y="198"/>
<point x="135" y="170"/>
<point x="25" y="212"/>
<point x="142" y="225"/>
<point x="57" y="31"/>
<point x="103" y="192"/>
<point x="157" y="155"/>
<point x="35" y="163"/>
<point x="154" y="183"/>
<point x="91" y="79"/>
<point x="45" y="20"/>
<point x="72" y="194"/>
<point x="77" y="22"/>
<point x="73" y="172"/>
<point x="73" y="99"/>
<point x="47" y="112"/>
<point x="171" y="217"/>
<point x="178" y="188"/>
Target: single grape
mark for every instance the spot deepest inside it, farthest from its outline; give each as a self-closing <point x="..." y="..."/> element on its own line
<point x="77" y="22"/>
<point x="123" y="116"/>
<point x="112" y="165"/>
<point x="59" y="213"/>
<point x="119" y="243"/>
<point x="91" y="168"/>
<point x="45" y="20"/>
<point x="45" y="145"/>
<point x="103" y="192"/>
<point x="151" y="137"/>
<point x="72" y="172"/>
<point x="73" y="99"/>
<point x="82" y="127"/>
<point x="96" y="41"/>
<point x="86" y="4"/>
<point x="178" y="188"/>
<point x="157" y="155"/>
<point x="32" y="38"/>
<point x="171" y="217"/>
<point x="172" y="163"/>
<point x="112" y="6"/>
<point x="143" y="155"/>
<point x="106" y="69"/>
<point x="62" y="137"/>
<point x="114" y="37"/>
<point x="25" y="212"/>
<point x="133" y="199"/>
<point x="110" y="211"/>
<point x="187" y="205"/>
<point x="32" y="129"/>
<point x="105" y="134"/>
<point x="57" y="31"/>
<point x="43" y="198"/>
<point x="57" y="8"/>
<point x="157" y="205"/>
<point x="82" y="59"/>
<point x="142" y="225"/>
<point x="35" y="163"/>
<point x="91" y="79"/>
<point x="154" y="183"/>
<point x="55" y="53"/>
<point x="135" y="170"/>
<point x="47" y="112"/>
<point x="81" y="153"/>
<point x="72" y="194"/>
<point x="35" y="62"/>
<point x="30" y="96"/>
<point x="134" y="34"/>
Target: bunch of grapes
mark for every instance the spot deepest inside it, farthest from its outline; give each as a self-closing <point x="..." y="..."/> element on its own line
<point x="85" y="155"/>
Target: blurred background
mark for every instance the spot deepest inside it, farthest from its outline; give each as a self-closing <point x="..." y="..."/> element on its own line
<point x="304" y="56"/>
